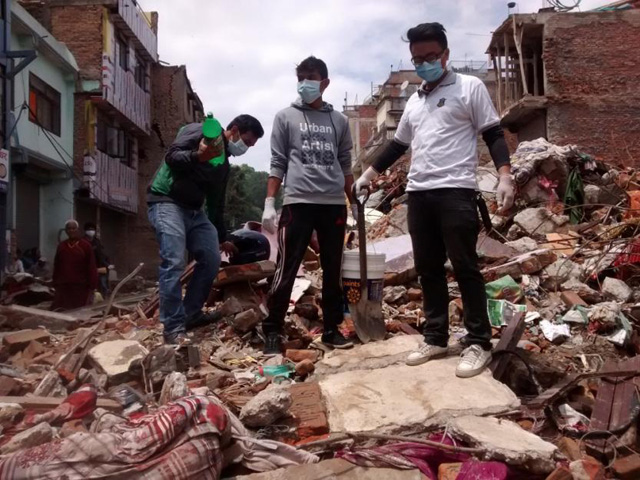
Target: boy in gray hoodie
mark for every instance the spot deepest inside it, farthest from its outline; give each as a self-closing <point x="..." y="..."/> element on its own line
<point x="311" y="151"/>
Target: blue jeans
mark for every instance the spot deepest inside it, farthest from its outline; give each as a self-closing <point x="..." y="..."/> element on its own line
<point x="178" y="229"/>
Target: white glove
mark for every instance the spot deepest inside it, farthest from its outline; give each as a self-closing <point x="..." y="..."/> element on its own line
<point x="505" y="192"/>
<point x="354" y="211"/>
<point x="364" y="181"/>
<point x="269" y="215"/>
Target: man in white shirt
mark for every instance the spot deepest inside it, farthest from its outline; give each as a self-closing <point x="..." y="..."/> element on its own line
<point x="441" y="123"/>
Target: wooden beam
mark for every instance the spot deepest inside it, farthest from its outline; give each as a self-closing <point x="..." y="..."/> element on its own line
<point x="517" y="38"/>
<point x="508" y="342"/>
<point x="498" y="72"/>
<point x="507" y="73"/>
<point x="536" y="84"/>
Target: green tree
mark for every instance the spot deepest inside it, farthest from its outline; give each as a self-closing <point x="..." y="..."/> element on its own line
<point x="246" y="192"/>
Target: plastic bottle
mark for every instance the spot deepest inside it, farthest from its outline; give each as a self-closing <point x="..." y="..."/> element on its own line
<point x="212" y="133"/>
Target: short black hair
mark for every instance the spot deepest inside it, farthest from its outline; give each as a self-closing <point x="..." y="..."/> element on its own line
<point x="247" y="123"/>
<point x="90" y="226"/>
<point x="312" y="64"/>
<point x="428" y="32"/>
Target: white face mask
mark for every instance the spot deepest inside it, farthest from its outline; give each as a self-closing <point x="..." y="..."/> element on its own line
<point x="238" y="148"/>
<point x="90" y="233"/>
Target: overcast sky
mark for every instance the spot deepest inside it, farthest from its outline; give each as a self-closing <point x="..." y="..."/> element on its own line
<point x="241" y="55"/>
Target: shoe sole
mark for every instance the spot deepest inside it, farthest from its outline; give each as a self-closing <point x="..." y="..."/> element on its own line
<point x="473" y="373"/>
<point x="420" y="361"/>
<point x="346" y="346"/>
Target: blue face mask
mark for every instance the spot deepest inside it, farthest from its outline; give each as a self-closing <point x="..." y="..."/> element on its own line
<point x="430" y="72"/>
<point x="309" y="90"/>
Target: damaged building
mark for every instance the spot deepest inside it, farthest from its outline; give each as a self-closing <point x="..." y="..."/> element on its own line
<point x="571" y="78"/>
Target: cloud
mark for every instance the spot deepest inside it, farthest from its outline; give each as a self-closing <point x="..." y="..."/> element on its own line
<point x="241" y="55"/>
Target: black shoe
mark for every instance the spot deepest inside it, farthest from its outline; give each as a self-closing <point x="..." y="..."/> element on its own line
<point x="273" y="345"/>
<point x="336" y="340"/>
<point x="202" y="320"/>
<point x="179" y="339"/>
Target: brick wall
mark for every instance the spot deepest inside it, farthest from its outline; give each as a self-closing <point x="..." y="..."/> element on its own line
<point x="79" y="27"/>
<point x="593" y="83"/>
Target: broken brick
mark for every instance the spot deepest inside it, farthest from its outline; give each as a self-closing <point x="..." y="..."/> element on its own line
<point x="18" y="341"/>
<point x="627" y="468"/>
<point x="8" y="386"/>
<point x="587" y="469"/>
<point x="305" y="367"/>
<point x="300" y="355"/>
<point x="569" y="448"/>
<point x="571" y="299"/>
<point x="449" y="471"/>
<point x="414" y="294"/>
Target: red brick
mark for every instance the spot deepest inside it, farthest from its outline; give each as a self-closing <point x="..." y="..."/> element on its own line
<point x="300" y="355"/>
<point x="569" y="448"/>
<point x="414" y="294"/>
<point x="571" y="298"/>
<point x="449" y="471"/>
<point x="308" y="409"/>
<point x="627" y="468"/>
<point x="8" y="386"/>
<point x="305" y="367"/>
<point x="17" y="341"/>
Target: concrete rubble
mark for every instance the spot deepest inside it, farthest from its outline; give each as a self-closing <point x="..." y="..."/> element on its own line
<point x="565" y="288"/>
<point x="266" y="407"/>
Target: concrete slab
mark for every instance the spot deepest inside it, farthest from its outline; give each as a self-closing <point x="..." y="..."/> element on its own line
<point x="335" y="469"/>
<point x="410" y="399"/>
<point x="115" y="357"/>
<point x="369" y="356"/>
<point x="506" y="441"/>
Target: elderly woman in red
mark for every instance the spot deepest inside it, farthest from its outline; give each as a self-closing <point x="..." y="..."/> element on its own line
<point x="75" y="276"/>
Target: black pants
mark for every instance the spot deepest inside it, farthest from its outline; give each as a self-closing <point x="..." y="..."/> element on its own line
<point x="444" y="222"/>
<point x="297" y="223"/>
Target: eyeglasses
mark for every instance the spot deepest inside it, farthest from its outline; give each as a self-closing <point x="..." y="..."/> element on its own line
<point x="429" y="59"/>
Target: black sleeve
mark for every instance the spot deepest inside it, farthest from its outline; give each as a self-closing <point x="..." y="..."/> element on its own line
<point x="494" y="138"/>
<point x="215" y="203"/>
<point x="184" y="149"/>
<point x="389" y="155"/>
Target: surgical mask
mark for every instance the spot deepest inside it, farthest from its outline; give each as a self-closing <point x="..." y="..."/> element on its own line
<point x="309" y="90"/>
<point x="430" y="72"/>
<point x="90" y="233"/>
<point x="238" y="148"/>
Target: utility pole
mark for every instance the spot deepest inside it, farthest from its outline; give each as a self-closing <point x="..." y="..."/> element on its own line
<point x="8" y="71"/>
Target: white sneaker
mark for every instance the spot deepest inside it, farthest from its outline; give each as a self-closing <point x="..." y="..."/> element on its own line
<point x="473" y="360"/>
<point x="426" y="353"/>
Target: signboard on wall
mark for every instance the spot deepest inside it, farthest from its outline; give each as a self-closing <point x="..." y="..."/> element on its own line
<point x="4" y="170"/>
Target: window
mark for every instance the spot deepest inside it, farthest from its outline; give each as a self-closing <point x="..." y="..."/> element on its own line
<point x="123" y="54"/>
<point x="114" y="141"/>
<point x="141" y="73"/>
<point x="44" y="105"/>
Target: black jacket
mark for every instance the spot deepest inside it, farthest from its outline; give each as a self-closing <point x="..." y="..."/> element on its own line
<point x="182" y="179"/>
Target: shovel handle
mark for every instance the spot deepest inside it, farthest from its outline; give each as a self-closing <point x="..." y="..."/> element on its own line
<point x="357" y="199"/>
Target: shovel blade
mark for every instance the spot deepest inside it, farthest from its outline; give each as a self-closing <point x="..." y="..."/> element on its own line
<point x="368" y="320"/>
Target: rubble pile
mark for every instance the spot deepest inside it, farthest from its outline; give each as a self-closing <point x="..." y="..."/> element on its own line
<point x="97" y="388"/>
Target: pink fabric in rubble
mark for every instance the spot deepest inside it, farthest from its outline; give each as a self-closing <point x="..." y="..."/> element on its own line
<point x="427" y="459"/>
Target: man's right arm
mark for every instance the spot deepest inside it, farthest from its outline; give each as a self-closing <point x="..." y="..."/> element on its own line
<point x="184" y="149"/>
<point x="389" y="155"/>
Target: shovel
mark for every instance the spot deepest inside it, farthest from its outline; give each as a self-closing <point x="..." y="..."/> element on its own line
<point x="366" y="314"/>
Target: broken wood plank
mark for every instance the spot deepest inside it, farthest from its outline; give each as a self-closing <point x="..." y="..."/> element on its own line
<point x="153" y="303"/>
<point x="556" y="392"/>
<point x="49" y="403"/>
<point x="508" y="342"/>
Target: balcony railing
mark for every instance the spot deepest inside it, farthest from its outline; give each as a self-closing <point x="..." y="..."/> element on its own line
<point x="120" y="90"/>
<point x="111" y="182"/>
<point x="136" y="23"/>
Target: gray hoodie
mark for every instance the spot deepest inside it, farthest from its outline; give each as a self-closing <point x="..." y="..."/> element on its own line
<point x="311" y="150"/>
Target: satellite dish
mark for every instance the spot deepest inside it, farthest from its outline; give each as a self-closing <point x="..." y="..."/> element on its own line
<point x="404" y="85"/>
